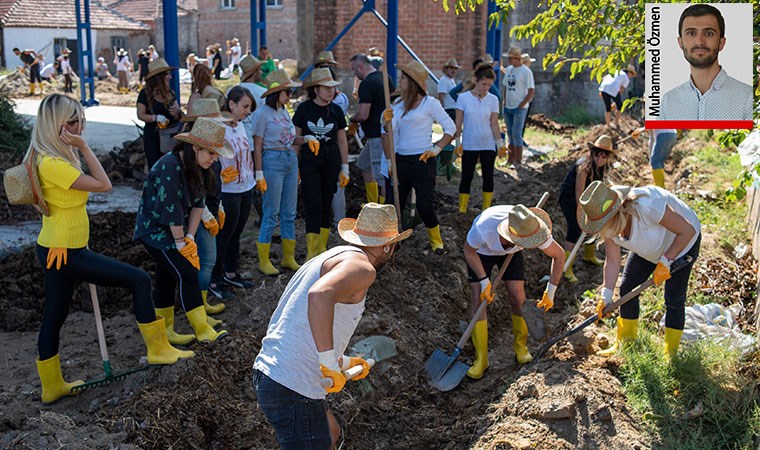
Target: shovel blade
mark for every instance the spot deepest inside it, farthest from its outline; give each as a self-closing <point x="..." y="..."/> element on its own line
<point x="439" y="362"/>
<point x="452" y="377"/>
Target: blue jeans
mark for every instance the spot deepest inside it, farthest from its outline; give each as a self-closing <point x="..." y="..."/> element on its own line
<point x="281" y="198"/>
<point x="661" y="150"/>
<point x="300" y="423"/>
<point x="207" y="254"/>
<point x="515" y="118"/>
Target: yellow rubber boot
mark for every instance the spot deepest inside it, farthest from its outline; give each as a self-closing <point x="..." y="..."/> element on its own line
<point x="213" y="323"/>
<point x="589" y="255"/>
<point x="487" y="197"/>
<point x="211" y="309"/>
<point x="480" y="342"/>
<point x="41" y="87"/>
<point x="464" y="199"/>
<point x="289" y="254"/>
<point x="569" y="275"/>
<point x="324" y="236"/>
<point x="672" y="339"/>
<point x="381" y="199"/>
<point x="203" y="331"/>
<point x="312" y="245"/>
<point x="372" y="194"/>
<point x="659" y="177"/>
<point x="627" y="330"/>
<point x="31" y="92"/>
<point x="520" y="331"/>
<point x="53" y="385"/>
<point x="436" y="243"/>
<point x="174" y="337"/>
<point x="265" y="264"/>
<point x="160" y="351"/>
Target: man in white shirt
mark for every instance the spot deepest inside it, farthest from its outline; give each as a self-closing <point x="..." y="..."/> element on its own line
<point x="709" y="94"/>
<point x="235" y="54"/>
<point x="447" y="83"/>
<point x="520" y="88"/>
<point x="611" y="90"/>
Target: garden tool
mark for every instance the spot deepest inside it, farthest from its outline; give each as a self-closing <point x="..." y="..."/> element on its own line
<point x="109" y="376"/>
<point x="681" y="263"/>
<point x="410" y="218"/>
<point x="389" y="134"/>
<point x="445" y="371"/>
<point x="350" y="374"/>
<point x="375" y="347"/>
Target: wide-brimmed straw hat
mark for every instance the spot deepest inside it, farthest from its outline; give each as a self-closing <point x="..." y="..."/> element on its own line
<point x="121" y="52"/>
<point x="603" y="142"/>
<point x="320" y="77"/>
<point x="526" y="227"/>
<point x="376" y="226"/>
<point x="250" y="64"/>
<point x="65" y="51"/>
<point x="452" y="62"/>
<point x="416" y="71"/>
<point x="526" y="59"/>
<point x="631" y="68"/>
<point x="513" y="52"/>
<point x="326" y="58"/>
<point x="279" y="81"/>
<point x="598" y="204"/>
<point x="157" y="67"/>
<point x="204" y="107"/>
<point x="22" y="185"/>
<point x="215" y="94"/>
<point x="209" y="134"/>
<point x="487" y="58"/>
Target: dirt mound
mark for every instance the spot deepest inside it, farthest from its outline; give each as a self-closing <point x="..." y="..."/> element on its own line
<point x="544" y="122"/>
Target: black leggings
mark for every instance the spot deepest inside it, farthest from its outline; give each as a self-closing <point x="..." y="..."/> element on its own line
<point x="413" y="173"/>
<point x="85" y="265"/>
<point x="319" y="182"/>
<point x="638" y="269"/>
<point x="237" y="207"/>
<point x="570" y="211"/>
<point x="469" y="160"/>
<point x="171" y="268"/>
<point x="34" y="74"/>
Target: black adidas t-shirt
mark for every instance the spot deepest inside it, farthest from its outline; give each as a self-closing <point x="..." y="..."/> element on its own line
<point x="322" y="122"/>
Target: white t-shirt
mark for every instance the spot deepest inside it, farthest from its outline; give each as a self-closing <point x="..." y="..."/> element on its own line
<point x="413" y="131"/>
<point x="648" y="238"/>
<point x="446" y="84"/>
<point x="122" y="64"/>
<point x="476" y="127"/>
<point x="235" y="54"/>
<point x="288" y="353"/>
<point x="242" y="161"/>
<point x="47" y="71"/>
<point x="484" y="237"/>
<point x="517" y="81"/>
<point x="342" y="100"/>
<point x="611" y="84"/>
<point x="65" y="65"/>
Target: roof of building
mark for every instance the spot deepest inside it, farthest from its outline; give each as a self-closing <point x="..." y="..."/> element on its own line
<point x="61" y="14"/>
<point x="149" y="10"/>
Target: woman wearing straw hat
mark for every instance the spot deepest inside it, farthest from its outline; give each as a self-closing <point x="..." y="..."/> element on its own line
<point x="201" y="80"/>
<point x="497" y="232"/>
<point x="157" y="107"/>
<point x="123" y="67"/>
<point x="312" y="326"/>
<point x="276" y="171"/>
<point x="323" y="163"/>
<point x="170" y="212"/>
<point x="593" y="167"/>
<point x="657" y="228"/>
<point x="478" y="111"/>
<point x="62" y="243"/>
<point x="412" y="116"/>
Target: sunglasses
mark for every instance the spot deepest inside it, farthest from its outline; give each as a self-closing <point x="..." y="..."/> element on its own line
<point x="600" y="152"/>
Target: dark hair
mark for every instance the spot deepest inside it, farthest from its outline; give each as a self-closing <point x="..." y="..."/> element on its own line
<point x="201" y="77"/>
<point x="594" y="172"/>
<point x="699" y="10"/>
<point x="15" y="49"/>
<point x="263" y="47"/>
<point x="236" y="95"/>
<point x="199" y="181"/>
<point x="412" y="95"/>
<point x="272" y="99"/>
<point x="484" y="71"/>
<point x="476" y="63"/>
<point x="157" y="88"/>
<point x="361" y="58"/>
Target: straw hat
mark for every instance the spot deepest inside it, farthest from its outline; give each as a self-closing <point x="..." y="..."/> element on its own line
<point x="121" y="52"/>
<point x="279" y="81"/>
<point x="416" y="71"/>
<point x="514" y="52"/>
<point x="598" y="204"/>
<point x="249" y="65"/>
<point x="526" y="59"/>
<point x="157" y="67"/>
<point x="204" y="107"/>
<point x="487" y="58"/>
<point x="376" y="226"/>
<point x="320" y="77"/>
<point x="452" y="62"/>
<point x="630" y="68"/>
<point x="65" y="51"/>
<point x="215" y="94"/>
<point x="374" y="51"/>
<point x="526" y="227"/>
<point x="326" y="58"/>
<point x="209" y="134"/>
<point x="603" y="142"/>
<point x="22" y="185"/>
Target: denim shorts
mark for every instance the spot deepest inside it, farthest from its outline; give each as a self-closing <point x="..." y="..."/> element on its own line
<point x="371" y="158"/>
<point x="299" y="422"/>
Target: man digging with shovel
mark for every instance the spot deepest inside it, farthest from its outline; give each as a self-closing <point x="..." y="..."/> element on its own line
<point x="497" y="232"/>
<point x="301" y="356"/>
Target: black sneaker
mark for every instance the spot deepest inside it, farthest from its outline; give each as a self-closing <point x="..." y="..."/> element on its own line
<point x="238" y="281"/>
<point x="219" y="292"/>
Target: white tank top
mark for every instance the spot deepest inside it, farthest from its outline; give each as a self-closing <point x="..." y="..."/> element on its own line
<point x="288" y="353"/>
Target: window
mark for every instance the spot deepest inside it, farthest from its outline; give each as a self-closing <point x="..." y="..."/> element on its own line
<point x="274" y="3"/>
<point x="119" y="42"/>
<point x="227" y="4"/>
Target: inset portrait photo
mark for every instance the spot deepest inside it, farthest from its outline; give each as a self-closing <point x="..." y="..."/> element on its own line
<point x="698" y="65"/>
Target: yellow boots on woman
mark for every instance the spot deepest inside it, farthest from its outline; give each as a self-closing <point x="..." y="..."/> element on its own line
<point x="289" y="254"/>
<point x="627" y="330"/>
<point x="174" y="337"/>
<point x="520" y="331"/>
<point x="265" y="264"/>
<point x="53" y="385"/>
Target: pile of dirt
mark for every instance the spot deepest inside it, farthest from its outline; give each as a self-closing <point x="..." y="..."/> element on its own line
<point x="126" y="163"/>
<point x="545" y="123"/>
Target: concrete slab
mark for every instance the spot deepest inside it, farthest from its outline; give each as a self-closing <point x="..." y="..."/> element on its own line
<point x="107" y="126"/>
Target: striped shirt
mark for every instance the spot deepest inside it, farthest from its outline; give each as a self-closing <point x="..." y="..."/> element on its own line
<point x="727" y="99"/>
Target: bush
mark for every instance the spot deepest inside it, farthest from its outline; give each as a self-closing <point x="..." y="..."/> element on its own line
<point x="15" y="133"/>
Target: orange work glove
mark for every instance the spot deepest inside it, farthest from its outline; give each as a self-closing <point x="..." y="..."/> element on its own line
<point x="229" y="175"/>
<point x="501" y="149"/>
<point x="547" y="300"/>
<point x="386" y="117"/>
<point x="57" y="256"/>
<point x="222" y="215"/>
<point x="485" y="290"/>
<point x="603" y="302"/>
<point x="210" y="222"/>
<point x="190" y="252"/>
<point x="344" y="177"/>
<point x="662" y="271"/>
<point x="459" y="151"/>
<point x="353" y="128"/>
<point x="337" y="377"/>
<point x="348" y="362"/>
<point x="261" y="182"/>
<point x="313" y="144"/>
<point x="432" y="153"/>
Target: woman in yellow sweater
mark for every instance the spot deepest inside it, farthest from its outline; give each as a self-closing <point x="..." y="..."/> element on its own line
<point x="62" y="243"/>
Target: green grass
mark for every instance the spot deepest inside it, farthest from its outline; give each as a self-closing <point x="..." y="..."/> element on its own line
<point x="578" y="115"/>
<point x="705" y="372"/>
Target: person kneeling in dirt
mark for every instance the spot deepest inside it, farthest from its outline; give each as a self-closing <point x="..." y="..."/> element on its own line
<point x="497" y="232"/>
<point x="658" y="228"/>
<point x="312" y="325"/>
<point x="62" y="243"/>
<point x="170" y="211"/>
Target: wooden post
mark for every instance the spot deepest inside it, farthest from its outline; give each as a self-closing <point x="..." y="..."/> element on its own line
<point x="394" y="177"/>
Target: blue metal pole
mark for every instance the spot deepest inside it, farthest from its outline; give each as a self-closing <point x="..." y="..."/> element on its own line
<point x="335" y="41"/>
<point x="80" y="57"/>
<point x="493" y="36"/>
<point x="263" y="23"/>
<point x="254" y="29"/>
<point x="91" y="56"/>
<point x="391" y="47"/>
<point x="84" y="35"/>
<point x="171" y="42"/>
<point x="406" y="46"/>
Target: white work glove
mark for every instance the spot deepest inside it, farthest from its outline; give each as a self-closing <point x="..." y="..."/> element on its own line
<point x="547" y="300"/>
<point x="161" y="118"/>
<point x="344" y="177"/>
<point x="603" y="302"/>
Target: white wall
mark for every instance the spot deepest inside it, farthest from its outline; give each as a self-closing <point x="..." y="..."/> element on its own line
<point x="36" y="38"/>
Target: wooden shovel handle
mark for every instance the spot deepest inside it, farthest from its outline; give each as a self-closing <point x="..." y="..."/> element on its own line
<point x="98" y="322"/>
<point x="350" y="374"/>
<point x="394" y="176"/>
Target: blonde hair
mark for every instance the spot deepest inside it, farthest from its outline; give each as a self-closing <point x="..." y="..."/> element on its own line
<point x="55" y="111"/>
<point x="617" y="223"/>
